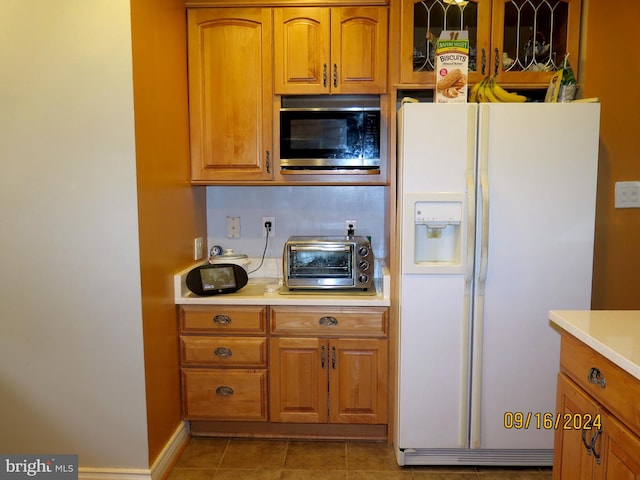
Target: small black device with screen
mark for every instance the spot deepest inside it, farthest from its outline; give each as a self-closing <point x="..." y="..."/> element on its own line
<point x="216" y="279"/>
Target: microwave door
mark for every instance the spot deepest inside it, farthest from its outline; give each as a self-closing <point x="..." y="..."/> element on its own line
<point x="329" y="139"/>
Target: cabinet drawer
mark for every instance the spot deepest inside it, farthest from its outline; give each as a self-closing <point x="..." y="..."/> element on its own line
<point x="224" y="351"/>
<point x="618" y="392"/>
<point x="347" y="321"/>
<point x="223" y="320"/>
<point x="224" y="394"/>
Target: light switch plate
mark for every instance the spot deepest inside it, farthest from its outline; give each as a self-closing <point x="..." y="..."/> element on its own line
<point x="233" y="227"/>
<point x="627" y="195"/>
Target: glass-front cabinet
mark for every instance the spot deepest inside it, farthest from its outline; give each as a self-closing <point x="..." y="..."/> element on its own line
<point x="518" y="41"/>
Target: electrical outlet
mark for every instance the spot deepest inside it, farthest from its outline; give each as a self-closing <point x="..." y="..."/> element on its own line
<point x="350" y="226"/>
<point x="197" y="248"/>
<point x="272" y="231"/>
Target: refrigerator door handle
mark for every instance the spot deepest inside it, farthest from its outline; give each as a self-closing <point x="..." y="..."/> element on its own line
<point x="484" y="193"/>
<point x="478" y="316"/>
<point x="463" y="434"/>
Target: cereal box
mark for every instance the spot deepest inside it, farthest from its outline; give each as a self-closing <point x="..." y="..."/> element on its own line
<point x="452" y="66"/>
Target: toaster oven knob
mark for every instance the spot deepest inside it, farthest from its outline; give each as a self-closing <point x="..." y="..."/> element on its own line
<point x="362" y="278"/>
<point x="363" y="265"/>
<point x="363" y="251"/>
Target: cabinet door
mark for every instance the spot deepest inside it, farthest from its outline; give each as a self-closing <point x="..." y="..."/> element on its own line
<point x="620" y="455"/>
<point x="422" y="23"/>
<point x="230" y="94"/>
<point x="573" y="459"/>
<point x="531" y="38"/>
<point x="298" y="368"/>
<point x="358" y="383"/>
<point x="301" y="50"/>
<point x="359" y="49"/>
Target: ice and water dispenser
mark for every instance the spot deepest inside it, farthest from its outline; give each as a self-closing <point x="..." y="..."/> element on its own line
<point x="434" y="233"/>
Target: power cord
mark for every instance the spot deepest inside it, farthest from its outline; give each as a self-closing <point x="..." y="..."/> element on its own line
<point x="267" y="225"/>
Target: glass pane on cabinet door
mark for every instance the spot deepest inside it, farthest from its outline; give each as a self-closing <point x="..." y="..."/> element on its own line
<point x="535" y="35"/>
<point x="430" y="18"/>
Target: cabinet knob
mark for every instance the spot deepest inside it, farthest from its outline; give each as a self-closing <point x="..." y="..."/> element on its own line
<point x="595" y="377"/>
<point x="222" y="319"/>
<point x="224" y="391"/>
<point x="328" y="321"/>
<point x="222" y="352"/>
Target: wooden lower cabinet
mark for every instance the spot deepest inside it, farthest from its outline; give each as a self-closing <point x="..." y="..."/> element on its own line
<point x="285" y="371"/>
<point x="316" y="380"/>
<point x="223" y="353"/>
<point x="592" y="389"/>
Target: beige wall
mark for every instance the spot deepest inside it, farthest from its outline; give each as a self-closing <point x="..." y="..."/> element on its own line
<point x="610" y="71"/>
<point x="72" y="376"/>
<point x="97" y="215"/>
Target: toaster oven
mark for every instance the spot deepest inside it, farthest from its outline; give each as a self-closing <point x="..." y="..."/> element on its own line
<point x="328" y="263"/>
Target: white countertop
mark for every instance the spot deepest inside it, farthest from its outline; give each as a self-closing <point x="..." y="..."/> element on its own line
<point x="265" y="291"/>
<point x="615" y="334"/>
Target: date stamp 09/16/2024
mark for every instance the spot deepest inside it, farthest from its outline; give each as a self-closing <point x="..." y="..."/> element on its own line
<point x="551" y="421"/>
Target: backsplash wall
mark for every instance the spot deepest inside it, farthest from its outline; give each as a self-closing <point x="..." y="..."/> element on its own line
<point x="298" y="210"/>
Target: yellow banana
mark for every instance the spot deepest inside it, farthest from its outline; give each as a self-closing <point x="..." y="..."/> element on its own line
<point x="481" y="91"/>
<point x="473" y="93"/>
<point x="488" y="92"/>
<point x="502" y="95"/>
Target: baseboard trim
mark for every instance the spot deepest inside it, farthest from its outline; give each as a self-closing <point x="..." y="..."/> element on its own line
<point x="158" y="471"/>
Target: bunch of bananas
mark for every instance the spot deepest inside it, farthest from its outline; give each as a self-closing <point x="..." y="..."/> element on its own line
<point x="489" y="91"/>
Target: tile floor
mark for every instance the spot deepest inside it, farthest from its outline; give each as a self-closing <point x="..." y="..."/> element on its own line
<point x="241" y="459"/>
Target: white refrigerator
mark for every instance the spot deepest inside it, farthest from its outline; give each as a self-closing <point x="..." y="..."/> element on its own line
<point x="496" y="227"/>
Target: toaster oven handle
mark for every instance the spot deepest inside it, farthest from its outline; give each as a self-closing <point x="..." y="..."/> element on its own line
<point x="328" y="321"/>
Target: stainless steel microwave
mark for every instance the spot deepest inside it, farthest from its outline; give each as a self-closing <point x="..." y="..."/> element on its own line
<point x="328" y="263"/>
<point x="330" y="133"/>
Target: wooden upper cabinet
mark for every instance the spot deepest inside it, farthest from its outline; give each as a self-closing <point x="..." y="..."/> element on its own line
<point x="531" y="39"/>
<point x="230" y="94"/>
<point x="330" y="50"/>
<point x="422" y="23"/>
<point x="302" y="47"/>
<point x="520" y="42"/>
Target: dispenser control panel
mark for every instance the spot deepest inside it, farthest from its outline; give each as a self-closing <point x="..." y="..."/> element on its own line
<point x="438" y="212"/>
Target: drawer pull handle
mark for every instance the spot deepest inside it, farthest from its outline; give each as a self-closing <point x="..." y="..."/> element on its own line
<point x="222" y="352"/>
<point x="595" y="377"/>
<point x="328" y="321"/>
<point x="593" y="445"/>
<point x="222" y="319"/>
<point x="585" y="443"/>
<point x="224" y="391"/>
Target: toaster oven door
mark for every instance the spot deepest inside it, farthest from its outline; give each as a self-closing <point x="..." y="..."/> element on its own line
<point x="320" y="266"/>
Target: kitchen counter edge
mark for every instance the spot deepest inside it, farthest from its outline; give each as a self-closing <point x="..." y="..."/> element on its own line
<point x="615" y="334"/>
<point x="264" y="291"/>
